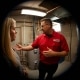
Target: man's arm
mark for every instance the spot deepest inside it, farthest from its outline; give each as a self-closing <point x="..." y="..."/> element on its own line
<point x="51" y="53"/>
<point x="24" y="48"/>
<point x="27" y="48"/>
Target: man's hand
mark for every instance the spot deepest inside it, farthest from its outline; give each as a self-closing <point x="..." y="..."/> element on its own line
<point x="49" y="52"/>
<point x="18" y="47"/>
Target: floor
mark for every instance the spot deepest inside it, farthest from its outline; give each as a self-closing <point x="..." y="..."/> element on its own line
<point x="65" y="65"/>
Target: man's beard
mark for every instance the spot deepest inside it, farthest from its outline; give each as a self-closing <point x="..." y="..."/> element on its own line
<point x="49" y="35"/>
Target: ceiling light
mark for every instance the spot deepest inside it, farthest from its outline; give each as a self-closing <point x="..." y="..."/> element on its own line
<point x="33" y="12"/>
<point x="54" y="18"/>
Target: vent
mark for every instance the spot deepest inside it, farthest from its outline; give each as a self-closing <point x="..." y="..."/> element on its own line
<point x="49" y="4"/>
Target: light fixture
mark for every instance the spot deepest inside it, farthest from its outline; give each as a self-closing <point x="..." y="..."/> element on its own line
<point x="33" y="12"/>
<point x="54" y="18"/>
<point x="56" y="26"/>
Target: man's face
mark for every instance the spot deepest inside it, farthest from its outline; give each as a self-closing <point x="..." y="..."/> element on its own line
<point x="45" y="27"/>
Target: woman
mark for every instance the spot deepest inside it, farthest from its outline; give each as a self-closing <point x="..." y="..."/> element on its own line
<point x="10" y="63"/>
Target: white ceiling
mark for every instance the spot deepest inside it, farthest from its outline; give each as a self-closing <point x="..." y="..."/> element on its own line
<point x="33" y="4"/>
<point x="50" y="8"/>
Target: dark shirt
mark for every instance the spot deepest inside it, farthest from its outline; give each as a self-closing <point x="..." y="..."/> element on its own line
<point x="8" y="71"/>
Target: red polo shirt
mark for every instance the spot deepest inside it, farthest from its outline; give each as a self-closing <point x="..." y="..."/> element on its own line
<point x="56" y="42"/>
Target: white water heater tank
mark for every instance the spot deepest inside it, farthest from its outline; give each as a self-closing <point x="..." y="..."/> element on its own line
<point x="33" y="59"/>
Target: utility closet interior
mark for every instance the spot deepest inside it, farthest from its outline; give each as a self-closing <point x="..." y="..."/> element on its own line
<point x="28" y="28"/>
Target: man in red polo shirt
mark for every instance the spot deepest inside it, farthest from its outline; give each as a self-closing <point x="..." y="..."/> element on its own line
<point x="52" y="46"/>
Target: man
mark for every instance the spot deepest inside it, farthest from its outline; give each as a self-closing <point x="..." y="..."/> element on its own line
<point x="52" y="46"/>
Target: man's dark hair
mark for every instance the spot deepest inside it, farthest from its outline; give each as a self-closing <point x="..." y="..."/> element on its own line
<point x="47" y="20"/>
